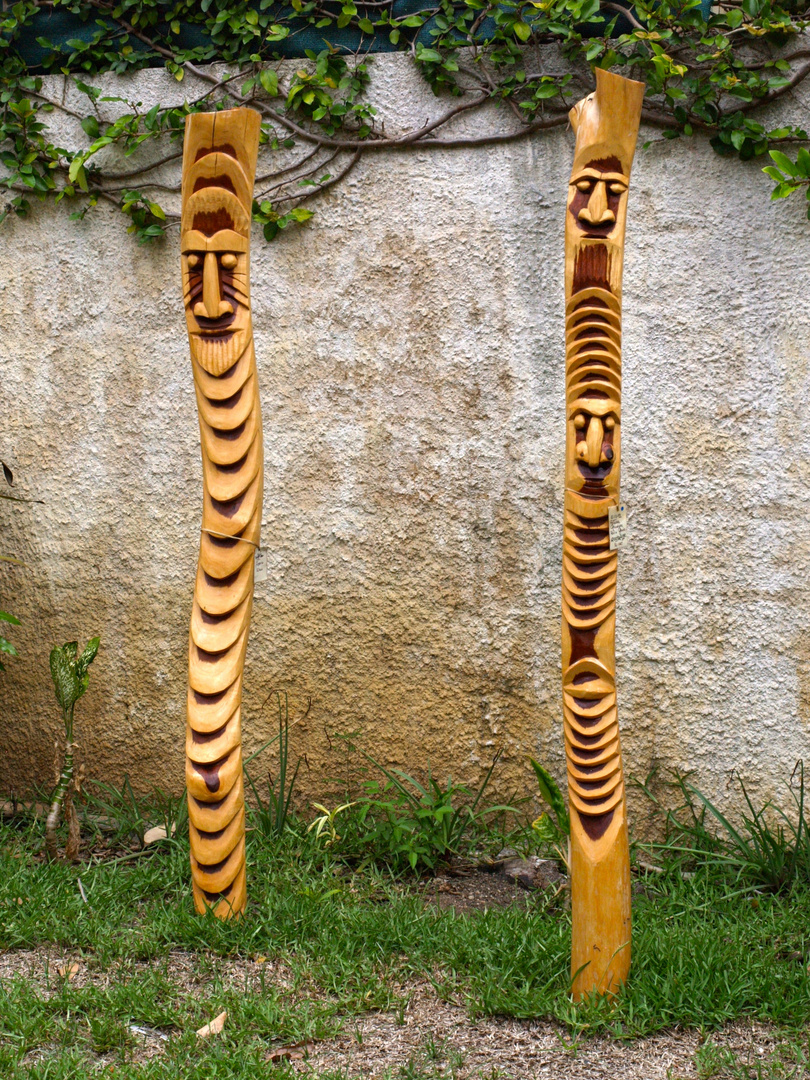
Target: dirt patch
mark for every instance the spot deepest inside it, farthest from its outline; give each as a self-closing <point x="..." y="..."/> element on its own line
<point x="434" y="1039"/>
<point x="47" y="968"/>
<point x="469" y="887"/>
<point x="474" y="891"/>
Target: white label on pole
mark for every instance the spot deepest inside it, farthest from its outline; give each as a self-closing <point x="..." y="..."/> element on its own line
<point x="617" y="525"/>
<point x="260" y="566"/>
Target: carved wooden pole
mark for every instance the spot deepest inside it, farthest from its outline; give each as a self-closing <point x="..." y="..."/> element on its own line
<point x="219" y="163"/>
<point x="606" y="125"/>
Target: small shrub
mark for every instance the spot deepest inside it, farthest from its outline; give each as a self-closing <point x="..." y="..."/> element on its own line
<point x="69" y="672"/>
<point x="406" y="825"/>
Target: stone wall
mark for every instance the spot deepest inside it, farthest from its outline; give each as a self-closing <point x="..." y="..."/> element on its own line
<point x="410" y="350"/>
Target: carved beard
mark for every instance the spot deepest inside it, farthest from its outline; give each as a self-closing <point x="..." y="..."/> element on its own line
<point x="594" y="265"/>
<point x="218" y="354"/>
<point x="217" y="344"/>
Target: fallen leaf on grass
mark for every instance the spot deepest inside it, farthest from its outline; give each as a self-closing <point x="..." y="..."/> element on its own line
<point x="157" y="833"/>
<point x="68" y="971"/>
<point x="214" y="1027"/>
<point x="296" y="1052"/>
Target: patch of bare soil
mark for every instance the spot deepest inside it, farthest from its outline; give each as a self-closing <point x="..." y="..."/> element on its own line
<point x="508" y="882"/>
<point x="436" y="1039"/>
<point x="47" y="968"/>
<point x="475" y="891"/>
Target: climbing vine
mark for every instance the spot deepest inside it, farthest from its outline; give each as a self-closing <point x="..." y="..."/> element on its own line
<point x="708" y="70"/>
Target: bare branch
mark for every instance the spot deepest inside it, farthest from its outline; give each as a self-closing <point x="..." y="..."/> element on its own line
<point x="626" y="12"/>
<point x="144" y="168"/>
<point x="302" y="176"/>
<point x="289" y="168"/>
<point x="347" y="168"/>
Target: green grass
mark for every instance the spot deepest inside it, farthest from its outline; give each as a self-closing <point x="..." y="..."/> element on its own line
<point x="788" y="1062"/>
<point x="704" y="953"/>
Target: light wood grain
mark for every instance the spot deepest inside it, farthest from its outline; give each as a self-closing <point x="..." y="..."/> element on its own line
<point x="219" y="163"/>
<point x="606" y="125"/>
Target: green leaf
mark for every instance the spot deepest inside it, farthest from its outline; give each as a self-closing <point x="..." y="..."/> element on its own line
<point x="6" y="617"/>
<point x="784" y="162"/>
<point x="774" y="173"/>
<point x="65" y="684"/>
<point x="546" y="90"/>
<point x="90" y="127"/>
<point x="544" y="827"/>
<point x="69" y="674"/>
<point x="803" y="163"/>
<point x="551" y="793"/>
<point x="157" y="211"/>
<point x="75" y="165"/>
<point x="522" y="31"/>
<point x="783" y="190"/>
<point x="269" y="80"/>
<point x="89" y="654"/>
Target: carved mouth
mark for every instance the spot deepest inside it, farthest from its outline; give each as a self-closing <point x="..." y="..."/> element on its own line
<point x="597" y="231"/>
<point x="215" y="326"/>
<point x="595" y="472"/>
<point x="217" y="335"/>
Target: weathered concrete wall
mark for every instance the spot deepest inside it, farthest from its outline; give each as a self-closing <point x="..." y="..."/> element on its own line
<point x="410" y="347"/>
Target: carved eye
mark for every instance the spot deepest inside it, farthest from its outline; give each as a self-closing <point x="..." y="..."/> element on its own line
<point x="228" y="261"/>
<point x="584" y="185"/>
<point x="193" y="260"/>
<point x="610" y="423"/>
<point x="579" y="421"/>
<point x="618" y="189"/>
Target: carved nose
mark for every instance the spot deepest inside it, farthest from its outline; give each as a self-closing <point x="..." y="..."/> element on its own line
<point x="593" y="441"/>
<point x="597" y="211"/>
<point x="212" y="306"/>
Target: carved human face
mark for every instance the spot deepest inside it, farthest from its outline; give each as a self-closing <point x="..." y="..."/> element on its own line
<point x="594" y="439"/>
<point x="597" y="197"/>
<point x="215" y="290"/>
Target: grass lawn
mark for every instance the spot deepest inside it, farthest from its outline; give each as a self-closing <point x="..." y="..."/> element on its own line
<point x="106" y="970"/>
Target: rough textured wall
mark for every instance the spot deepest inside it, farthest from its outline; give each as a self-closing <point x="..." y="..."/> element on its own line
<point x="410" y="350"/>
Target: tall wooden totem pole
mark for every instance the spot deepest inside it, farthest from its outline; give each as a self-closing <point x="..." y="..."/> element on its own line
<point x="606" y="125"/>
<point x="219" y="163"/>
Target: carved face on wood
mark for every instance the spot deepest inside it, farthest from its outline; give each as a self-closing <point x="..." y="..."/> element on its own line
<point x="594" y="437"/>
<point x="593" y="391"/>
<point x="597" y="197"/>
<point x="214" y="247"/>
